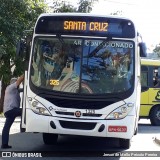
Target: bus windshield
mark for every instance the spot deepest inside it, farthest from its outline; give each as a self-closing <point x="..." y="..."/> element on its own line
<point x="82" y="65"/>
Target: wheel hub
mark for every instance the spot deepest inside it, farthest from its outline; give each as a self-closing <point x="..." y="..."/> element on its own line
<point x="158" y="115"/>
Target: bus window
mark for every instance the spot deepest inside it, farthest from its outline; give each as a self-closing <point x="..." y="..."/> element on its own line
<point x="144" y="77"/>
<point x="156" y="77"/>
<point x="108" y="69"/>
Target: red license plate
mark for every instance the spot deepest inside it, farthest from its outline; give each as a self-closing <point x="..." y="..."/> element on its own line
<point x="117" y="129"/>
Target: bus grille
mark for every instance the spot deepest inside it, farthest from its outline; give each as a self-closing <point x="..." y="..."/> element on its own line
<point x="83" y="114"/>
<point x="79" y="104"/>
<point x="77" y="125"/>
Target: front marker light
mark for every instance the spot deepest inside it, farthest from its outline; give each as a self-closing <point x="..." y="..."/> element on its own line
<point x="37" y="107"/>
<point x="120" y="112"/>
<point x="34" y="103"/>
<point x="41" y="110"/>
<point x="124" y="109"/>
<point x="116" y="115"/>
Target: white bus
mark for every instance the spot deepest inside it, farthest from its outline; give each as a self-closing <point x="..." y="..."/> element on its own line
<point x="83" y="78"/>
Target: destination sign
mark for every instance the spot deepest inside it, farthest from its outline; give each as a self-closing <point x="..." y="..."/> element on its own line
<point x="83" y="26"/>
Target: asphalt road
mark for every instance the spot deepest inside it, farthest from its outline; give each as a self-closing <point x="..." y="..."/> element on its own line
<point x="76" y="147"/>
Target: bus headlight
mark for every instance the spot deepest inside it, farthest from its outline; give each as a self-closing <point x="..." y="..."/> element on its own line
<point x="38" y="108"/>
<point x="120" y="112"/>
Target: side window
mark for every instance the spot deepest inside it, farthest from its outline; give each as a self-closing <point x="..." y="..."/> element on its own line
<point x="156" y="77"/>
<point x="144" y="79"/>
<point x="144" y="76"/>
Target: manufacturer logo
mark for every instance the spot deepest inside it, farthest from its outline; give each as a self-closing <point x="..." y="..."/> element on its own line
<point x="77" y="114"/>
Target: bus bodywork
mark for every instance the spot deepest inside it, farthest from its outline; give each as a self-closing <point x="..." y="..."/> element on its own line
<point x="150" y="82"/>
<point x="83" y="78"/>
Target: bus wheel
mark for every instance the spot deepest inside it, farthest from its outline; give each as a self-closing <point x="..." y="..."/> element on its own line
<point x="124" y="143"/>
<point x="155" y="116"/>
<point x="49" y="138"/>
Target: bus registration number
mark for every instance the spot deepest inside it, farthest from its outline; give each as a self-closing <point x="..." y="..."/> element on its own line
<point x="90" y="111"/>
<point x="117" y="129"/>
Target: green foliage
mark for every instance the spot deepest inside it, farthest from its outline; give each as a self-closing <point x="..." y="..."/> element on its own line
<point x="84" y="6"/>
<point x="62" y="6"/>
<point x="157" y="50"/>
<point x="1" y="115"/>
<point x="15" y="17"/>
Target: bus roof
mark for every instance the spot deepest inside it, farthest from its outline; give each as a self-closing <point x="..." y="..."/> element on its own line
<point x="85" y="24"/>
<point x="150" y="62"/>
<point x="83" y="14"/>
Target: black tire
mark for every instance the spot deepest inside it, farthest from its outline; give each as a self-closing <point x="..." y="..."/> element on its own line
<point x="50" y="139"/>
<point x="155" y="116"/>
<point x="124" y="143"/>
<point x="22" y="130"/>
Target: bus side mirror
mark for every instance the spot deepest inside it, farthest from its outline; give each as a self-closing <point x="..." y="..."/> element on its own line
<point x="23" y="51"/>
<point x="24" y="45"/>
<point x="143" y="49"/>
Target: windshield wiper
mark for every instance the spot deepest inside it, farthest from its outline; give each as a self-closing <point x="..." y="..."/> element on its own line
<point x="60" y="38"/>
<point x="100" y="46"/>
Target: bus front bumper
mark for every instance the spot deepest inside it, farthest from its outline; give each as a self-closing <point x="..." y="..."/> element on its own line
<point x="123" y="128"/>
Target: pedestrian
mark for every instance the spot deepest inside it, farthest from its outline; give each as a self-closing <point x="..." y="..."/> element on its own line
<point x="11" y="108"/>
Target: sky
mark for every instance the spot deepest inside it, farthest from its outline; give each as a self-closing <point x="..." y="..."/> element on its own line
<point x="144" y="13"/>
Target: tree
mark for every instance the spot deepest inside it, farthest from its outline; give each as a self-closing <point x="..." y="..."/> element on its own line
<point x="84" y="6"/>
<point x="15" y="17"/>
<point x="62" y="6"/>
<point x="157" y="50"/>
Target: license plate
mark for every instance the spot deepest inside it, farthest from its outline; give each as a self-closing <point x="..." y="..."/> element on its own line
<point x="117" y="129"/>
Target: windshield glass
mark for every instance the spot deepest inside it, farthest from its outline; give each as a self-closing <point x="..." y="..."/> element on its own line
<point x="82" y="65"/>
